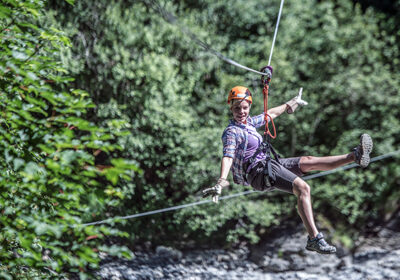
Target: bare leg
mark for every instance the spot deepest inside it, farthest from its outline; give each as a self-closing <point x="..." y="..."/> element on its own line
<point x="302" y="190"/>
<point x="310" y="163"/>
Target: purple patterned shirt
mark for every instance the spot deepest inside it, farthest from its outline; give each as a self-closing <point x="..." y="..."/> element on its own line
<point x="235" y="140"/>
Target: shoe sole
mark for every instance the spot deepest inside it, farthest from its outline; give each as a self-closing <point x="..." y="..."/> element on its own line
<point x="321" y="252"/>
<point x="366" y="145"/>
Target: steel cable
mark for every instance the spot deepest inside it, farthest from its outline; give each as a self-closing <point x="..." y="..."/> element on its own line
<point x="174" y="208"/>
<point x="172" y="19"/>
<point x="169" y="17"/>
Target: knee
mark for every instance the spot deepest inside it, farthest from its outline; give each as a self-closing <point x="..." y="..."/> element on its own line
<point x="306" y="159"/>
<point x="301" y="188"/>
<point x="306" y="163"/>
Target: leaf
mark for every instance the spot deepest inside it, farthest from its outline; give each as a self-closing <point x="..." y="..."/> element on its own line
<point x="71" y="2"/>
<point x="19" y="55"/>
<point x="5" y="12"/>
<point x="32" y="168"/>
<point x="32" y="76"/>
<point x="30" y="25"/>
<point x="112" y="174"/>
<point x="43" y="228"/>
<point x="67" y="157"/>
<point x="25" y="242"/>
<point x="5" y="275"/>
<point x="18" y="163"/>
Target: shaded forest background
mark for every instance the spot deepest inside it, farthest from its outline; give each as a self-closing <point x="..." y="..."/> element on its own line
<point x="143" y="130"/>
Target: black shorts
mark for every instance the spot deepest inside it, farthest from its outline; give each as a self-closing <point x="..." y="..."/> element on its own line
<point x="283" y="174"/>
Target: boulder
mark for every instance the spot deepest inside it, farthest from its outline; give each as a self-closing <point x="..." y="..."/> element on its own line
<point x="168" y="252"/>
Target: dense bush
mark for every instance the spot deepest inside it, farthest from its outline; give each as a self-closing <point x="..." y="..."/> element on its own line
<point x="49" y="179"/>
<point x="146" y="71"/>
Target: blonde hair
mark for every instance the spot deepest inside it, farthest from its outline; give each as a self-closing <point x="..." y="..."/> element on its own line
<point x="235" y="101"/>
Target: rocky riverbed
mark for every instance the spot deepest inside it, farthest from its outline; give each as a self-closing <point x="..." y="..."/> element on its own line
<point x="280" y="256"/>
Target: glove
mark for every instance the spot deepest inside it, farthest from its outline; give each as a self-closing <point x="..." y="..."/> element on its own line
<point x="216" y="190"/>
<point x="293" y="103"/>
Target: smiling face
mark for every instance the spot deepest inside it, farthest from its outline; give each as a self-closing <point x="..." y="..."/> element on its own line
<point x="240" y="110"/>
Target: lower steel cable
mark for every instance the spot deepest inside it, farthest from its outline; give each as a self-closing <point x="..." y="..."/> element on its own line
<point x="174" y="208"/>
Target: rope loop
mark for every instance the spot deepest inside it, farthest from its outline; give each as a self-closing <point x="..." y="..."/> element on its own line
<point x="266" y="115"/>
<point x="267" y="131"/>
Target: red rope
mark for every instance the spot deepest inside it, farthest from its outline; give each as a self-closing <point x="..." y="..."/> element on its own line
<point x="267" y="131"/>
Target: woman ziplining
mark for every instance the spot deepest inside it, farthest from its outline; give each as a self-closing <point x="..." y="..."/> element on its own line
<point x="248" y="156"/>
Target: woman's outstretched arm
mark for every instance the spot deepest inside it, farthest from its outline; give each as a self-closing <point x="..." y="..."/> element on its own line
<point x="277" y="111"/>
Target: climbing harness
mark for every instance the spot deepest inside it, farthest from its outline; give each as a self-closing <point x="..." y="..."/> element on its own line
<point x="266" y="146"/>
<point x="267" y="136"/>
<point x="242" y="92"/>
<point x="265" y="80"/>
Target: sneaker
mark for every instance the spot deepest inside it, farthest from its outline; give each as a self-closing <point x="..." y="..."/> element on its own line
<point x="362" y="151"/>
<point x="319" y="245"/>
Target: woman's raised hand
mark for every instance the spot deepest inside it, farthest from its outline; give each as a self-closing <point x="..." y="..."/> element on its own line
<point x="293" y="103"/>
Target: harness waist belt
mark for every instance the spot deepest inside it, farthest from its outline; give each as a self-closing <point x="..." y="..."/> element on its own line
<point x="267" y="148"/>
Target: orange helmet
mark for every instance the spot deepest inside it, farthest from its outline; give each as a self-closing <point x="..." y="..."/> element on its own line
<point x="240" y="92"/>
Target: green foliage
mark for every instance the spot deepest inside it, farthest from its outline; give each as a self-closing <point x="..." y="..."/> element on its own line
<point x="48" y="169"/>
<point x="140" y="69"/>
<point x="351" y="90"/>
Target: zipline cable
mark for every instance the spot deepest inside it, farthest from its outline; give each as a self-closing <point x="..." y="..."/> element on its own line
<point x="173" y="20"/>
<point x="349" y="166"/>
<point x="276" y="32"/>
<point x="173" y="208"/>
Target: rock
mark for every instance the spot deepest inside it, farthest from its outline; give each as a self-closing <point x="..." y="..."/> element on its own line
<point x="394" y="223"/>
<point x="277" y="265"/>
<point x="147" y="245"/>
<point x="198" y="260"/>
<point x="297" y="262"/>
<point x="367" y="253"/>
<point x="342" y="252"/>
<point x="282" y="257"/>
<point x="233" y="256"/>
<point x="158" y="274"/>
<point x="128" y="273"/>
<point x="264" y="262"/>
<point x="223" y="258"/>
<point x="292" y="245"/>
<point x="257" y="256"/>
<point x="307" y="276"/>
<point x="167" y="252"/>
<point x="391" y="261"/>
<point x="344" y="262"/>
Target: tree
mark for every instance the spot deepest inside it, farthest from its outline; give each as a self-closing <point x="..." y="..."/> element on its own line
<point x="49" y="175"/>
<point x="140" y="66"/>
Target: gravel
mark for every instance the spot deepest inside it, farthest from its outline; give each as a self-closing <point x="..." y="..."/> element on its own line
<point x="280" y="257"/>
